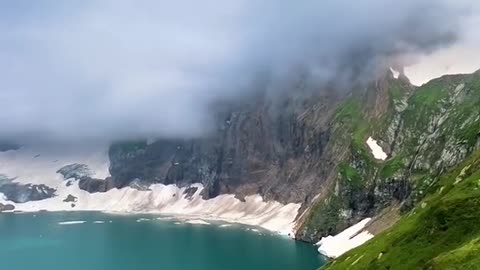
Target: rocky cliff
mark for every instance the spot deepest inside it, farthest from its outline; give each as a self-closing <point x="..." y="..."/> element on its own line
<point x="425" y="132"/>
<point x="281" y="150"/>
<point x="433" y="144"/>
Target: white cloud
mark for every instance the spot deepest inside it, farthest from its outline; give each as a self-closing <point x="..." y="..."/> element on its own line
<point x="124" y="69"/>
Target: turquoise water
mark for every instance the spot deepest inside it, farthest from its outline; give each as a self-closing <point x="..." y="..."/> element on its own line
<point x="37" y="241"/>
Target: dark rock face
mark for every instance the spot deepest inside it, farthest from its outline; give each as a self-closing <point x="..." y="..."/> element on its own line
<point x="82" y="174"/>
<point x="189" y="192"/>
<point x="70" y="198"/>
<point x="20" y="193"/>
<point x="6" y="207"/>
<point x="75" y="171"/>
<point x="282" y="154"/>
<point x="425" y="132"/>
<point x="94" y="185"/>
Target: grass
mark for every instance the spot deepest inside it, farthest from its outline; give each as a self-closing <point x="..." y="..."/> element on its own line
<point x="430" y="94"/>
<point x="391" y="167"/>
<point x="351" y="117"/>
<point x="463" y="258"/>
<point x="351" y="176"/>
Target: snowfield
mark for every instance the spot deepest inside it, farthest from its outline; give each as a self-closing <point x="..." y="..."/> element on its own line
<point x="171" y="200"/>
<point x="376" y="149"/>
<point x="30" y="165"/>
<point x="335" y="246"/>
<point x="33" y="165"/>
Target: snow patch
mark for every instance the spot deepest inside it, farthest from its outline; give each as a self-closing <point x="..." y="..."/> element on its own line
<point x="71" y="222"/>
<point x="335" y="246"/>
<point x="459" y="88"/>
<point x="395" y="73"/>
<point x="376" y="149"/>
<point x="31" y="165"/>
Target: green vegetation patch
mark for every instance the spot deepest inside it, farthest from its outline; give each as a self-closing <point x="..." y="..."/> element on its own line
<point x="391" y="167"/>
<point x="351" y="176"/>
<point x="466" y="257"/>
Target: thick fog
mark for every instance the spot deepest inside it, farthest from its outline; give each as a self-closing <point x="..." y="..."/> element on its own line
<point x="109" y="70"/>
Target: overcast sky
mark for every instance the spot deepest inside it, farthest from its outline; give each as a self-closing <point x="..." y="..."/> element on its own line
<point x="82" y="70"/>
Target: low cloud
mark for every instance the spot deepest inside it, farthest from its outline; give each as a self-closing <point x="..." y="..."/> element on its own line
<point x="111" y="70"/>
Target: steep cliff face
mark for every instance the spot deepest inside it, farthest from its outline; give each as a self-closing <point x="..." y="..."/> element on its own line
<point x="425" y="132"/>
<point x="434" y="152"/>
<point x="279" y="149"/>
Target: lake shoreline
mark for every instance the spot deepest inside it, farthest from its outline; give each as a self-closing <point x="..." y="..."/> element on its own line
<point x="215" y="242"/>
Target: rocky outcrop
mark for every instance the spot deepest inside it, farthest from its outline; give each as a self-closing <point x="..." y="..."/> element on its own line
<point x="70" y="198"/>
<point x="6" y="207"/>
<point x="20" y="193"/>
<point x="75" y="171"/>
<point x="95" y="185"/>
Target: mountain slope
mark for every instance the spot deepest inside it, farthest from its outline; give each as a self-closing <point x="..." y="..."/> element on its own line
<point x="424" y="132"/>
<point x="440" y="233"/>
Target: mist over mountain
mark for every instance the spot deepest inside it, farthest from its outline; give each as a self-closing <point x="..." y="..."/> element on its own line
<point x="114" y="70"/>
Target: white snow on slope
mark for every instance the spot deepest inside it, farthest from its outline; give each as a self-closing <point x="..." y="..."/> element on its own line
<point x="376" y="149"/>
<point x="34" y="166"/>
<point x="395" y="73"/>
<point x="39" y="166"/>
<point x="335" y="246"/>
<point x="170" y="200"/>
